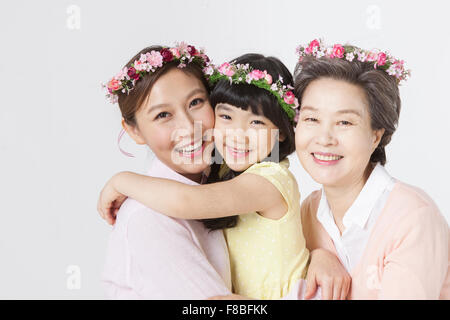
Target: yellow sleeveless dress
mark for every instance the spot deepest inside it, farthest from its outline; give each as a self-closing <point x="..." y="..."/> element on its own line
<point x="268" y="256"/>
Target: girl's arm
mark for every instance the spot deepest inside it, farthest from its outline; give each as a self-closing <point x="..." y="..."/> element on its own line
<point x="243" y="194"/>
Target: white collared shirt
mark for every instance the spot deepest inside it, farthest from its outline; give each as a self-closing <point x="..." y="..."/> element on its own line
<point x="359" y="218"/>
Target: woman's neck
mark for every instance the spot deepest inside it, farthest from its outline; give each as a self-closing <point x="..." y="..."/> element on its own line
<point x="341" y="198"/>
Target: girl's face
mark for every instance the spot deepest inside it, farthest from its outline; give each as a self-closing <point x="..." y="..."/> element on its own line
<point x="334" y="138"/>
<point x="176" y="122"/>
<point x="242" y="137"/>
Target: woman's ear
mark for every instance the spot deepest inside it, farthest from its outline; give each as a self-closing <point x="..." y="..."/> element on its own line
<point x="378" y="134"/>
<point x="133" y="132"/>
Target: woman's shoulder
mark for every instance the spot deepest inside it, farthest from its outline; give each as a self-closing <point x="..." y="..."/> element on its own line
<point x="411" y="195"/>
<point x="414" y="201"/>
<point x="410" y="210"/>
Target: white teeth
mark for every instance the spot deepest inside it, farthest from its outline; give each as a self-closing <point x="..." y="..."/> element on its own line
<point x="326" y="158"/>
<point x="191" y="148"/>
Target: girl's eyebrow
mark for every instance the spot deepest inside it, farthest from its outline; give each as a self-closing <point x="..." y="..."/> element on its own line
<point x="223" y="107"/>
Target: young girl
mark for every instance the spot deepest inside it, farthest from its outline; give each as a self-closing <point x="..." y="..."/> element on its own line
<point x="254" y="134"/>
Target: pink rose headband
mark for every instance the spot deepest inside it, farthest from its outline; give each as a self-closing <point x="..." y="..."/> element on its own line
<point x="243" y="73"/>
<point x="149" y="62"/>
<point x="380" y="60"/>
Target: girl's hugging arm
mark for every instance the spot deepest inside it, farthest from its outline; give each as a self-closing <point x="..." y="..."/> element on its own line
<point x="243" y="194"/>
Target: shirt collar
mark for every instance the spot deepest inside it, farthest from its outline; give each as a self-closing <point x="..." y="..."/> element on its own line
<point x="359" y="212"/>
<point x="159" y="169"/>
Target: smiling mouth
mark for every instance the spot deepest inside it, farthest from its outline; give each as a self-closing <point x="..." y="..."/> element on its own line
<point x="192" y="149"/>
<point x="326" y="157"/>
<point x="238" y="152"/>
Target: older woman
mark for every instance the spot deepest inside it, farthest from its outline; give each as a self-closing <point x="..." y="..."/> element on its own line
<point x="390" y="236"/>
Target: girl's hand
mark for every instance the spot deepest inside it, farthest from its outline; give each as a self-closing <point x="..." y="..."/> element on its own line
<point x="110" y="201"/>
<point x="326" y="271"/>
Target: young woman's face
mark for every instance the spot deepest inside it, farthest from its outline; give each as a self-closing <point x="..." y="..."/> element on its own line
<point x="176" y="122"/>
<point x="334" y="139"/>
<point x="242" y="137"/>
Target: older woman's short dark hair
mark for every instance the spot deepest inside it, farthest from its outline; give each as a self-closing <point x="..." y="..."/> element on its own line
<point x="381" y="90"/>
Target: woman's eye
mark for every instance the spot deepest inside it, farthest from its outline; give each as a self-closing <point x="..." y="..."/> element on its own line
<point x="345" y="123"/>
<point x="196" y="102"/>
<point x="310" y="120"/>
<point x="162" y="115"/>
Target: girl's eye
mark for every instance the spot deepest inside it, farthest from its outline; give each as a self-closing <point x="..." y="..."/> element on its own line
<point x="224" y="116"/>
<point x="345" y="123"/>
<point x="257" y="122"/>
<point x="162" y="115"/>
<point x="310" y="120"/>
<point x="196" y="102"/>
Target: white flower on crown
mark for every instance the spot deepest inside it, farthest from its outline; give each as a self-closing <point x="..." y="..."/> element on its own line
<point x="350" y="56"/>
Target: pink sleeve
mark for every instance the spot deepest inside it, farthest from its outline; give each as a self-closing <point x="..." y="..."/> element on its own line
<point x="165" y="263"/>
<point x="417" y="264"/>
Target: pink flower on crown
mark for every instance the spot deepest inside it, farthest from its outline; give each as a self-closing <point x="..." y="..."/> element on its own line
<point x="372" y="56"/>
<point x="183" y="47"/>
<point x="256" y="74"/>
<point x="113" y="85"/>
<point x="268" y="77"/>
<point x="140" y="66"/>
<point x="175" y="52"/>
<point x="381" y="59"/>
<point x="226" y="69"/>
<point x="289" y="97"/>
<point x="362" y="56"/>
<point x="154" y="58"/>
<point x="312" y="45"/>
<point x="338" y="51"/>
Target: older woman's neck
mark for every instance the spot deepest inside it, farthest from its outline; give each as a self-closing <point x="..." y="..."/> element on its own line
<point x="341" y="198"/>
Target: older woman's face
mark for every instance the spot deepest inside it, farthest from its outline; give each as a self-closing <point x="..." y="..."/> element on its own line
<point x="334" y="139"/>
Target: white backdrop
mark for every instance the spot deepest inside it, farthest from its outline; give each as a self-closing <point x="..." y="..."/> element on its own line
<point x="58" y="133"/>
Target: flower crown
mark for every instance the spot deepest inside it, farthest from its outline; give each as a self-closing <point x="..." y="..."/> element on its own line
<point x="149" y="62"/>
<point x="381" y="60"/>
<point x="243" y="73"/>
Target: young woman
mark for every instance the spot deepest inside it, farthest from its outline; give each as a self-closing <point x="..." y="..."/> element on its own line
<point x="163" y="96"/>
<point x="390" y="236"/>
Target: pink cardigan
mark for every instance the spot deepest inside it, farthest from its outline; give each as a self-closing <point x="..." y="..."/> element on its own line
<point x="407" y="255"/>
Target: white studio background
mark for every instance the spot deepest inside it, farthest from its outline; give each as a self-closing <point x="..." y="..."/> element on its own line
<point x="58" y="133"/>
